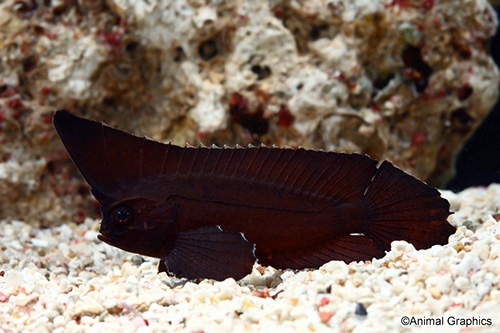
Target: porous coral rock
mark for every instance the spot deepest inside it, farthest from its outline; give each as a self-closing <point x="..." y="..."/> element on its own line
<point x="401" y="80"/>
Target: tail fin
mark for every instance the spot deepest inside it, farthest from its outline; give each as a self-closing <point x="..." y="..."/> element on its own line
<point x="404" y="208"/>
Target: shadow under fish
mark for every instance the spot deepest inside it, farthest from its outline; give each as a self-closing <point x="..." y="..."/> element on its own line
<point x="211" y="212"/>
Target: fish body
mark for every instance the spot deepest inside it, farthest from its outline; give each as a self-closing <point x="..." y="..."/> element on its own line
<point x="211" y="212"/>
<point x="262" y="213"/>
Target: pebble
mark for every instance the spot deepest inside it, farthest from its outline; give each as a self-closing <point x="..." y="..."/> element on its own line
<point x="59" y="321"/>
<point x="361" y="310"/>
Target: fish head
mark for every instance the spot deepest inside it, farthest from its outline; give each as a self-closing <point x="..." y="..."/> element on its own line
<point x="122" y="171"/>
<point x="136" y="224"/>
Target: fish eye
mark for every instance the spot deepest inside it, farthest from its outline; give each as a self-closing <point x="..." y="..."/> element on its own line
<point x="122" y="214"/>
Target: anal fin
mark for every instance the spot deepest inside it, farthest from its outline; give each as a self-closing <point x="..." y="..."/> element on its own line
<point x="209" y="253"/>
<point x="347" y="248"/>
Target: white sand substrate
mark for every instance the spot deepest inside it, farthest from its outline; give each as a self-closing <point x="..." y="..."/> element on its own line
<point x="62" y="279"/>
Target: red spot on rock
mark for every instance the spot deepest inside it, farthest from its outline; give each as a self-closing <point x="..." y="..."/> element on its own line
<point x="241" y="16"/>
<point x="47" y="119"/>
<point x="278" y="11"/>
<point x="417" y="138"/>
<point x="341" y="76"/>
<point x="464" y="92"/>
<point x="238" y="105"/>
<point x="285" y="117"/>
<point x="441" y="93"/>
<point x="14" y="103"/>
<point x="45" y="91"/>
<point x="112" y="39"/>
<point x="3" y="297"/>
<point x="324" y="301"/>
<point x="375" y="107"/>
<point x="38" y="30"/>
<point x="80" y="214"/>
<point x="428" y="4"/>
<point x="51" y="36"/>
<point x="240" y="113"/>
<point x="9" y="92"/>
<point x="45" y="135"/>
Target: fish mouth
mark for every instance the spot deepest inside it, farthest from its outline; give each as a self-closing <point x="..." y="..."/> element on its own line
<point x="105" y="239"/>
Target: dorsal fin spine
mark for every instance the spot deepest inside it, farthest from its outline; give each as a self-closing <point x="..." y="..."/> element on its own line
<point x="190" y="171"/>
<point x="352" y="189"/>
<point x="285" y="167"/>
<point x="218" y="159"/>
<point x="203" y="167"/>
<point x="292" y="170"/>
<point x="294" y="185"/>
<point x="320" y="177"/>
<point x="312" y="172"/>
<point x="229" y="161"/>
<point x="252" y="161"/>
<point x="261" y="165"/>
<point x="162" y="170"/>
<point x="180" y="161"/>
<point x="239" y="163"/>
<point x="330" y="177"/>
<point x="275" y="162"/>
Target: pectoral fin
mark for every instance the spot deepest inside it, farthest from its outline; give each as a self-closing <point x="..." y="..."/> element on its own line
<point x="209" y="253"/>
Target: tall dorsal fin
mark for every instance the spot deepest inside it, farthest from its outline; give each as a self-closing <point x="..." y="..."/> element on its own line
<point x="106" y="157"/>
<point x="109" y="158"/>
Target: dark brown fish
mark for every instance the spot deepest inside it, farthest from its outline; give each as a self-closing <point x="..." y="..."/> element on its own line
<point x="210" y="212"/>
